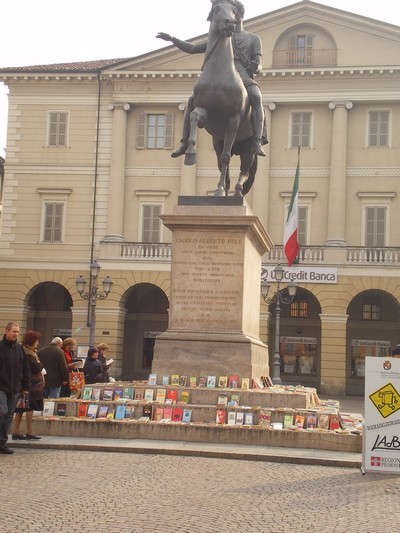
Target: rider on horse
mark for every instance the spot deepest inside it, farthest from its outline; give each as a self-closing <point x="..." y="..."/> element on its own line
<point x="247" y="57"/>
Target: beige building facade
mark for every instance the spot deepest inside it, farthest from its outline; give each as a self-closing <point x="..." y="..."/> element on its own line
<point x="88" y="172"/>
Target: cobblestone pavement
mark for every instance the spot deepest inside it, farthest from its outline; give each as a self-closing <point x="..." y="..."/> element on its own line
<point x="95" y="492"/>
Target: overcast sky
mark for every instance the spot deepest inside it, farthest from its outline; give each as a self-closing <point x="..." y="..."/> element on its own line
<point x="43" y="31"/>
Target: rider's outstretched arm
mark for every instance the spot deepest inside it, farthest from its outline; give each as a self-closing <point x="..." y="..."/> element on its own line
<point x="185" y="46"/>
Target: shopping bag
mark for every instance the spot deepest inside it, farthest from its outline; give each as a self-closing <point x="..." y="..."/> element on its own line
<point x="22" y="403"/>
<point x="76" y="381"/>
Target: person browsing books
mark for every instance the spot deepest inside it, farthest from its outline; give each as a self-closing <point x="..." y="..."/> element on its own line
<point x="92" y="368"/>
<point x="53" y="360"/>
<point x="30" y="342"/>
<point x="105" y="364"/>
<point x="68" y="347"/>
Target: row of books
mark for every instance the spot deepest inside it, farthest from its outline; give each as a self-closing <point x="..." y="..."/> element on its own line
<point x="116" y="394"/>
<point x="211" y="382"/>
<point x="268" y="418"/>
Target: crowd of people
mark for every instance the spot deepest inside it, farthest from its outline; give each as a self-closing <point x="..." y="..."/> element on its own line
<point x="28" y="375"/>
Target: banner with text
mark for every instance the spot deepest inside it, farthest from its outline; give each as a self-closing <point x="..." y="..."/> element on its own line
<point x="381" y="437"/>
<point x="301" y="274"/>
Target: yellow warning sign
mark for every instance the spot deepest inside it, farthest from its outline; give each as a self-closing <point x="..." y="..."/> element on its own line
<point x="386" y="400"/>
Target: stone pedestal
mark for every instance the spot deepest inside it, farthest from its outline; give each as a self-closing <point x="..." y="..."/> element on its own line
<point x="214" y="313"/>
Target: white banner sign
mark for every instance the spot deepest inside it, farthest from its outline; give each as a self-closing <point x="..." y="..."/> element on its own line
<point x="301" y="274"/>
<point x="381" y="437"/>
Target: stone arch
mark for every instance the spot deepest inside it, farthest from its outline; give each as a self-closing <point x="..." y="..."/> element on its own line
<point x="49" y="312"/>
<point x="300" y="339"/>
<point x="146" y="316"/>
<point x="372" y="330"/>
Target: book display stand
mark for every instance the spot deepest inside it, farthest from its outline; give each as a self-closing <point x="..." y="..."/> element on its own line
<point x="168" y="407"/>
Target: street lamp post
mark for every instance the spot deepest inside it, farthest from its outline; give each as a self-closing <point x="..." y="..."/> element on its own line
<point x="279" y="298"/>
<point x="93" y="295"/>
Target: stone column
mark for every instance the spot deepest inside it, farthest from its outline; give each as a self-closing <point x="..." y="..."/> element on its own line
<point x="115" y="214"/>
<point x="188" y="172"/>
<point x="333" y="353"/>
<point x="261" y="188"/>
<point x="336" y="235"/>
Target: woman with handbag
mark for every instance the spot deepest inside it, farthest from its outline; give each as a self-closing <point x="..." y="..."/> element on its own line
<point x="34" y="401"/>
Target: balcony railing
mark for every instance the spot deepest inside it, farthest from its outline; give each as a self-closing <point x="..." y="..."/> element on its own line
<point x="146" y="250"/>
<point x="308" y="255"/>
<point x="304" y="58"/>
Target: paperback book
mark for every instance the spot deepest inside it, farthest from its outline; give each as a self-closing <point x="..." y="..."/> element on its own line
<point x="167" y="413"/>
<point x="92" y="410"/>
<point x="175" y="379"/>
<point x="185" y="396"/>
<point x="48" y="408"/>
<point x="248" y="418"/>
<point x="223" y="381"/>
<point x="96" y="393"/>
<point x="130" y="411"/>
<point x="231" y="418"/>
<point x="311" y="421"/>
<point x="108" y="393"/>
<point x="186" y="415"/>
<point x="222" y="399"/>
<point x="139" y="394"/>
<point x="152" y="379"/>
<point x="161" y="394"/>
<point x="103" y="410"/>
<point x="87" y="393"/>
<point x="172" y="395"/>
<point x="118" y="394"/>
<point x="233" y="382"/>
<point x="110" y="412"/>
<point x="165" y="379"/>
<point x="265" y="418"/>
<point x="177" y="413"/>
<point x="183" y="381"/>
<point x="61" y="409"/>
<point x="158" y="414"/>
<point x="211" y="381"/>
<point x="192" y="381"/>
<point x="82" y="409"/>
<point x="128" y="393"/>
<point x="148" y="411"/>
<point x="120" y="411"/>
<point x="245" y="383"/>
<point x="221" y="416"/>
<point x="233" y="400"/>
<point x="149" y="395"/>
<point x="202" y="381"/>
<point x="323" y="421"/>
<point x="239" y="418"/>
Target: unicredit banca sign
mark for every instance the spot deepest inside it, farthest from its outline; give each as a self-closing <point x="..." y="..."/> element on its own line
<point x="300" y="274"/>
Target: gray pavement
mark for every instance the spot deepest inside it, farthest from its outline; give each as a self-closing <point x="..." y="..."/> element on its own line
<point x="69" y="485"/>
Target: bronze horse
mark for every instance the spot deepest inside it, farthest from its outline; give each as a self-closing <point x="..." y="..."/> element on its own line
<point x="221" y="104"/>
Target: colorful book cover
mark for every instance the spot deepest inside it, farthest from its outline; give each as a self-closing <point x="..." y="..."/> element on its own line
<point x="222" y="399"/>
<point x="118" y="394"/>
<point x="92" y="410"/>
<point x="61" y="409"/>
<point x="211" y="381"/>
<point x="311" y="421"/>
<point x="248" y="418"/>
<point x="183" y="381"/>
<point x="167" y="413"/>
<point x="323" y="420"/>
<point x="299" y="421"/>
<point x="202" y="381"/>
<point x="265" y="418"/>
<point x="82" y="409"/>
<point x="231" y="418"/>
<point x="239" y="418"/>
<point x="288" y="420"/>
<point x="87" y="393"/>
<point x="139" y="394"/>
<point x="161" y="394"/>
<point x="165" y="379"/>
<point x="130" y="411"/>
<point x="96" y="393"/>
<point x="185" y="396"/>
<point x="175" y="379"/>
<point x="103" y="410"/>
<point x="221" y="416"/>
<point x="148" y="411"/>
<point x="152" y="379"/>
<point x="223" y="381"/>
<point x="172" y="395"/>
<point x="234" y="400"/>
<point x="108" y="393"/>
<point x="334" y="422"/>
<point x="177" y="413"/>
<point x="192" y="381"/>
<point x="187" y="415"/>
<point x="128" y="393"/>
<point x="158" y="414"/>
<point x="233" y="382"/>
<point x="120" y="411"/>
<point x="111" y="412"/>
<point x="245" y="383"/>
<point x="149" y="395"/>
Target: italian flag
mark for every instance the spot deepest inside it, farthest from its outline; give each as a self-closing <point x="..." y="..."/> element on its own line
<point x="291" y="245"/>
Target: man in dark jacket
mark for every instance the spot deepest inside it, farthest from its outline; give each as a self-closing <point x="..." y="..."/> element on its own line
<point x="53" y="360"/>
<point x="14" y="379"/>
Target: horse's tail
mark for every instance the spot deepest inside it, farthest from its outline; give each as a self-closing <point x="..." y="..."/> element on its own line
<point x="247" y="185"/>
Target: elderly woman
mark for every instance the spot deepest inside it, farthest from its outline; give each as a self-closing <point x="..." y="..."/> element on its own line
<point x="30" y="343"/>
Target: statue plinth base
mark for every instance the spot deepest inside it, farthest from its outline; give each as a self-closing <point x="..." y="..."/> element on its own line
<point x="214" y="314"/>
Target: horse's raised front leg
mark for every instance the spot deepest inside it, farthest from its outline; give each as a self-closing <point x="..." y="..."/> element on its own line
<point x="198" y="118"/>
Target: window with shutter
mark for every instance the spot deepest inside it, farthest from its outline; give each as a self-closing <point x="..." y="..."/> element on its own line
<point x="301" y="130"/>
<point x="58" y="126"/>
<point x="378" y="128"/>
<point x="151" y="222"/>
<point x="302" y="225"/>
<point x="375" y="226"/>
<point x="53" y="218"/>
<point x="155" y="131"/>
